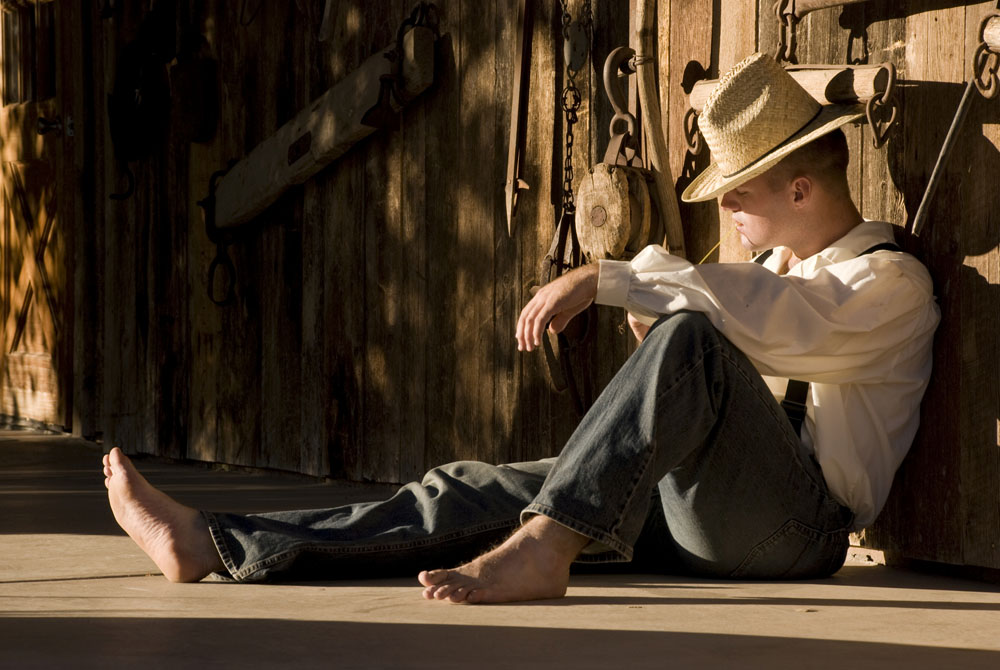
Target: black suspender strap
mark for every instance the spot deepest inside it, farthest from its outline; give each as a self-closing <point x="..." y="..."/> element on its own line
<point x="797" y="390"/>
<point x="885" y="246"/>
<point x="794" y="403"/>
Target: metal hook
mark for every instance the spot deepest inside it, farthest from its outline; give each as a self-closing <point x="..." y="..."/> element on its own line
<point x="692" y="133"/>
<point x="876" y="105"/>
<point x="622" y="145"/>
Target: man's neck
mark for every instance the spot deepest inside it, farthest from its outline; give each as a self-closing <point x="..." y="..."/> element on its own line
<point x="827" y="222"/>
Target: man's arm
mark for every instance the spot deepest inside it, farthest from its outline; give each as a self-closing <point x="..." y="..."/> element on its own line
<point x="555" y="304"/>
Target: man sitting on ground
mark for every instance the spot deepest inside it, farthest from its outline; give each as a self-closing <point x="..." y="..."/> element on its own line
<point x="686" y="463"/>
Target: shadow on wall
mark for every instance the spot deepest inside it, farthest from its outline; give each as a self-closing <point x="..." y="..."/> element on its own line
<point x="858" y="18"/>
<point x="959" y="244"/>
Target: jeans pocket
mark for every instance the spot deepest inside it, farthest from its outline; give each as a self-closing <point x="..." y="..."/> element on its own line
<point x="795" y="551"/>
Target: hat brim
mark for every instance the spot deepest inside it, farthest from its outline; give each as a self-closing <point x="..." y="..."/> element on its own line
<point x="711" y="183"/>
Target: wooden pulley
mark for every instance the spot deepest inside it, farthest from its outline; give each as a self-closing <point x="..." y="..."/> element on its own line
<point x="615" y="214"/>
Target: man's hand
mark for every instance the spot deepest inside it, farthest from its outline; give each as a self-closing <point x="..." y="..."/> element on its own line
<point x="639" y="329"/>
<point x="555" y="304"/>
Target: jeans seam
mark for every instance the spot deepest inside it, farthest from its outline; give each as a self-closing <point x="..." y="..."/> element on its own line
<point x="275" y="559"/>
<point x="588" y="531"/>
<point x="813" y="534"/>
<point x="219" y="540"/>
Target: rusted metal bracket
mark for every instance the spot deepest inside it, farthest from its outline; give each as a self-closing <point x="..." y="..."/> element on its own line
<point x="985" y="63"/>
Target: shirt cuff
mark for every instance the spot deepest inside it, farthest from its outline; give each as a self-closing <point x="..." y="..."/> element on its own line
<point x="612" y="282"/>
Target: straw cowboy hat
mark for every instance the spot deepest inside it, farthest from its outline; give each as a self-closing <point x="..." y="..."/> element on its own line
<point x="757" y="115"/>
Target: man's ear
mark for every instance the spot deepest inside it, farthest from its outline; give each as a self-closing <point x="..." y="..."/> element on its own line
<point x="802" y="188"/>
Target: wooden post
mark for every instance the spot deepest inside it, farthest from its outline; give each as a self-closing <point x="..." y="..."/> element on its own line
<point x="835" y="84"/>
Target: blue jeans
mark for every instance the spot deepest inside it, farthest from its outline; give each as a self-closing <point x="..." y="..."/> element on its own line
<point x="685" y="464"/>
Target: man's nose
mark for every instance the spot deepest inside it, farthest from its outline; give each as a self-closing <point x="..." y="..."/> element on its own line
<point x="728" y="201"/>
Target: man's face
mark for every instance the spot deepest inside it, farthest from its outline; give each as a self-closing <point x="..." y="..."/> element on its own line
<point x="760" y="213"/>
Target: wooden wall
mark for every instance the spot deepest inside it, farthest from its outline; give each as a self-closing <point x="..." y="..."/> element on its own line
<point x="371" y="335"/>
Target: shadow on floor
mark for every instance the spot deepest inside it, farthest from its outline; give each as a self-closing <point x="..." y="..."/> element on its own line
<point x="269" y="643"/>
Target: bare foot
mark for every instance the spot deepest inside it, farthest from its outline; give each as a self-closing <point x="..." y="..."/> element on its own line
<point x="175" y="536"/>
<point x="532" y="564"/>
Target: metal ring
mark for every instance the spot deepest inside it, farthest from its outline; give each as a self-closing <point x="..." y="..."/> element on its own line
<point x="629" y="121"/>
<point x="880" y="131"/>
<point x="980" y="66"/>
<point x="571" y="99"/>
<point x="223" y="260"/>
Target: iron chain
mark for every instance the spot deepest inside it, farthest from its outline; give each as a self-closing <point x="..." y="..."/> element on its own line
<point x="571" y="101"/>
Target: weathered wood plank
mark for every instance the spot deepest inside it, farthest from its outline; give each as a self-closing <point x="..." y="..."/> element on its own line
<point x="415" y="193"/>
<point x="980" y="272"/>
<point x="536" y="432"/>
<point x="507" y="271"/>
<point x="738" y="28"/>
<point x="927" y="489"/>
<point x="880" y="177"/>
<point x="314" y="363"/>
<point x="245" y="123"/>
<point x="205" y="333"/>
<point x="384" y="328"/>
<point x="87" y="235"/>
<point x="479" y="200"/>
<point x="126" y="300"/>
<point x="443" y="130"/>
<point x="691" y="57"/>
<point x="341" y="192"/>
<point x="279" y="240"/>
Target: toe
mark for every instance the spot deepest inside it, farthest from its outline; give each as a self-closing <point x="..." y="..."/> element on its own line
<point x="459" y="595"/>
<point x="432" y="577"/>
<point x="444" y="591"/>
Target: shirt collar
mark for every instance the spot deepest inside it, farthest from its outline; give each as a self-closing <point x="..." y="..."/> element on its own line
<point x="863" y="236"/>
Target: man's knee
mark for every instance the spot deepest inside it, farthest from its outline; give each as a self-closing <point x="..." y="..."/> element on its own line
<point x="688" y="326"/>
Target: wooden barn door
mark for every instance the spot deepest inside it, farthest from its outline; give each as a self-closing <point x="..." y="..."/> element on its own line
<point x="36" y="280"/>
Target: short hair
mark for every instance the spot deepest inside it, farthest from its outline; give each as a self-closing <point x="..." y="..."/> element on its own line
<point x="825" y="158"/>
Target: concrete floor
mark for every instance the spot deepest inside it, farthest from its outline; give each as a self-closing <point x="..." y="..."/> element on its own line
<point x="76" y="593"/>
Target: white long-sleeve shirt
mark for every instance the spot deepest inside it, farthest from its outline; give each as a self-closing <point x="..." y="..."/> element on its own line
<point x="859" y="328"/>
